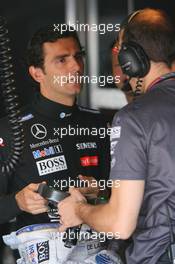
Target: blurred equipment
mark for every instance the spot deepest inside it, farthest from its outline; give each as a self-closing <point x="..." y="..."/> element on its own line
<point x="54" y="196"/>
<point x="11" y="104"/>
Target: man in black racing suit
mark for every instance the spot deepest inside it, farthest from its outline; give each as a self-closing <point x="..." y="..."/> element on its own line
<point x="62" y="140"/>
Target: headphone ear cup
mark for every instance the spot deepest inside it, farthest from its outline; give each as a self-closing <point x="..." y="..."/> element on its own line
<point x="133" y="60"/>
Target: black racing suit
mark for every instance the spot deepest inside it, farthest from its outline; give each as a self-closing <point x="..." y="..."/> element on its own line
<point x="50" y="156"/>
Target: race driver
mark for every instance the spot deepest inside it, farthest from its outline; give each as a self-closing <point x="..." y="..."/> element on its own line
<point x="62" y="141"/>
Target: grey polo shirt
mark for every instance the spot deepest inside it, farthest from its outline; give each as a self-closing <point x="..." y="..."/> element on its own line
<point x="143" y="148"/>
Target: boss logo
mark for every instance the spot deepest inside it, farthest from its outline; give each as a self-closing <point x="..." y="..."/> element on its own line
<point x="51" y="165"/>
<point x="43" y="251"/>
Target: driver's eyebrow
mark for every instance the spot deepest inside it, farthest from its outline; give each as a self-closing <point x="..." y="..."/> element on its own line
<point x="62" y="56"/>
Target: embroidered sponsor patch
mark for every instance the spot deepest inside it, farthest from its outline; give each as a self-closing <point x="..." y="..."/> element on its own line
<point x="93" y="246"/>
<point x="44" y="143"/>
<point x="113" y="162"/>
<point x="113" y="145"/>
<point x="115" y="132"/>
<point x="51" y="165"/>
<point x="38" y="131"/>
<point x="43" y="251"/>
<point x="89" y="161"/>
<point x="26" y="117"/>
<point x="31" y="254"/>
<point x="52" y="150"/>
<point x="86" y="145"/>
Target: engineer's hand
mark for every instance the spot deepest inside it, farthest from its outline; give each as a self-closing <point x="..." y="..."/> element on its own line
<point x="67" y="209"/>
<point x="90" y="183"/>
<point x="30" y="201"/>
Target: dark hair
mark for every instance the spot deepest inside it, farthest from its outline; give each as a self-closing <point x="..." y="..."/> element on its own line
<point x="153" y="30"/>
<point x="35" y="53"/>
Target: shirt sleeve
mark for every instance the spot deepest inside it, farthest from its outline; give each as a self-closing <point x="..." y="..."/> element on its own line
<point x="128" y="148"/>
<point x="8" y="208"/>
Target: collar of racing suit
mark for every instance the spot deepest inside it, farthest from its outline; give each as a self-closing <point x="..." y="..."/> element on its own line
<point x="52" y="109"/>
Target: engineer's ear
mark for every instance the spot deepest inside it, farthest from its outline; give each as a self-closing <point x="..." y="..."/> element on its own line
<point x="36" y="73"/>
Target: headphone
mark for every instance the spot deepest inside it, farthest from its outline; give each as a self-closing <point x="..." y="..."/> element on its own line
<point x="132" y="58"/>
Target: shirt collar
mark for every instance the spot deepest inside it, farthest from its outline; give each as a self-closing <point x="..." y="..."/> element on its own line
<point x="170" y="75"/>
<point x="52" y="109"/>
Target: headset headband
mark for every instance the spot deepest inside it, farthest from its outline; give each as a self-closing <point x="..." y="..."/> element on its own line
<point x="129" y="18"/>
<point x="132" y="15"/>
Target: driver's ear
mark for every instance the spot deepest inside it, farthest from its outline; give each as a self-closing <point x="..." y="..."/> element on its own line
<point x="36" y="73"/>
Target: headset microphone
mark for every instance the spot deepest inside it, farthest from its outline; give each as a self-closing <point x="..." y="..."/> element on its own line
<point x="126" y="86"/>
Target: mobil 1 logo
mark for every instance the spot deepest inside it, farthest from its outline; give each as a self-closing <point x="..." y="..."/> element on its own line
<point x="51" y="165"/>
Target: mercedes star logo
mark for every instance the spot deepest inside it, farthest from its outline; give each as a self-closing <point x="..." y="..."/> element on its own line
<point x="38" y="131"/>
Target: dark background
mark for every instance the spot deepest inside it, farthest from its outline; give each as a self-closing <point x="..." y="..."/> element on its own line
<point x="24" y="18"/>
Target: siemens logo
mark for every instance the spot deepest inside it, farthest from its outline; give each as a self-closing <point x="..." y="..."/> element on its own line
<point x="51" y="165"/>
<point x="87" y="145"/>
<point x="47" y="151"/>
